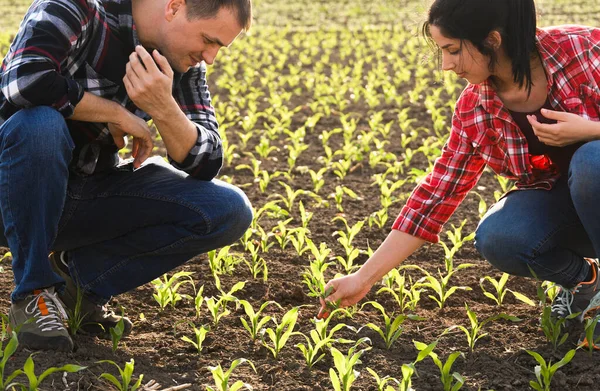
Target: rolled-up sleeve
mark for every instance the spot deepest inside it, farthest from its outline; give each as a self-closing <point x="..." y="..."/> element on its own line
<point x="434" y="200"/>
<point x="206" y="157"/>
<point x="31" y="73"/>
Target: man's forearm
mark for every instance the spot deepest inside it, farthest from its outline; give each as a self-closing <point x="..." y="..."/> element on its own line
<point x="92" y="108"/>
<point x="177" y="132"/>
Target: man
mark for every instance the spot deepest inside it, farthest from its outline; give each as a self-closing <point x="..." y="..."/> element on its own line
<point x="79" y="77"/>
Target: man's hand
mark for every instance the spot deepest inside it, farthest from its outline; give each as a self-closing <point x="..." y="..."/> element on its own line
<point x="149" y="86"/>
<point x="347" y="290"/>
<point x="127" y="123"/>
<point x="570" y="128"/>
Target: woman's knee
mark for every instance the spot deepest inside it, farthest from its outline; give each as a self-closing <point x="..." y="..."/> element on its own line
<point x="501" y="247"/>
<point x="584" y="173"/>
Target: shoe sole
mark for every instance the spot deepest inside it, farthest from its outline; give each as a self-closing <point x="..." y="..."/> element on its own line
<point x="37" y="342"/>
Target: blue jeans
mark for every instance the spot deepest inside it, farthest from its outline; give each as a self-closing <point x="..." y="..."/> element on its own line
<point x="121" y="228"/>
<point x="548" y="231"/>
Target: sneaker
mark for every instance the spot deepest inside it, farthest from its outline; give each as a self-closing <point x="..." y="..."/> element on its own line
<point x="582" y="298"/>
<point x="38" y="320"/>
<point x="97" y="319"/>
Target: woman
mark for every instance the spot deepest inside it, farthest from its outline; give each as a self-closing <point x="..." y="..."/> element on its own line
<point x="530" y="112"/>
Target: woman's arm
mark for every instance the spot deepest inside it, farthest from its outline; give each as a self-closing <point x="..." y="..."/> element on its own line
<point x="351" y="288"/>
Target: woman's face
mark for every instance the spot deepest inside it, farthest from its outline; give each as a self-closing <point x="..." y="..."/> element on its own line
<point x="462" y="58"/>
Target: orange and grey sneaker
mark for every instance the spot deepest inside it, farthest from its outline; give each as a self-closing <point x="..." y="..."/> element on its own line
<point x="38" y="320"/>
<point x="582" y="298"/>
<point x="97" y="319"/>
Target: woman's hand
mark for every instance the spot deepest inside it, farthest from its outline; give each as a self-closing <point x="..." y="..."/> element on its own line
<point x="570" y="128"/>
<point x="346" y="291"/>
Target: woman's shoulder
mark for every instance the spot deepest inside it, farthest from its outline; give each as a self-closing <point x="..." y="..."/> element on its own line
<point x="568" y="34"/>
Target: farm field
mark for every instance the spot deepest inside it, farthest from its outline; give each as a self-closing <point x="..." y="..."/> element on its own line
<point x="330" y="112"/>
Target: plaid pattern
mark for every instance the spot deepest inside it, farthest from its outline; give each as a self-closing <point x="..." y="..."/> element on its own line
<point x="66" y="47"/>
<point x="484" y="134"/>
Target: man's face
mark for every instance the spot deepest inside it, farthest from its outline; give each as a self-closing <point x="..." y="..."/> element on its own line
<point x="186" y="42"/>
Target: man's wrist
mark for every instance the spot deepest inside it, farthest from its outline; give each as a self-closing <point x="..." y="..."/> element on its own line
<point x="168" y="111"/>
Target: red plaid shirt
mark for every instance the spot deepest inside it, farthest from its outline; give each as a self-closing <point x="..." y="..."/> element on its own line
<point x="484" y="133"/>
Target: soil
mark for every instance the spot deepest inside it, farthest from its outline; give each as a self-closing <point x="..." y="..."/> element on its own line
<point x="499" y="360"/>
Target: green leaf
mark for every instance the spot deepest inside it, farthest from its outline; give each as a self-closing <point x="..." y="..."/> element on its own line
<point x="112" y="379"/>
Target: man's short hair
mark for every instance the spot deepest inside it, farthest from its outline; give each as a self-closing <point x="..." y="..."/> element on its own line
<point x="206" y="9"/>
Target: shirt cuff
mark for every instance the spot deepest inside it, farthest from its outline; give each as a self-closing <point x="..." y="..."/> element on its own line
<point x="417" y="224"/>
<point x="66" y="105"/>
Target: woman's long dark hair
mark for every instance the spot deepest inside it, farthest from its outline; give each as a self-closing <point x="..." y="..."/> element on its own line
<point x="473" y="20"/>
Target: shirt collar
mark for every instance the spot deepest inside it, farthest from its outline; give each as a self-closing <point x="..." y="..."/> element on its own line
<point x="127" y="28"/>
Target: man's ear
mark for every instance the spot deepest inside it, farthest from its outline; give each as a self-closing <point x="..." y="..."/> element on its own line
<point x="494" y="39"/>
<point x="172" y="8"/>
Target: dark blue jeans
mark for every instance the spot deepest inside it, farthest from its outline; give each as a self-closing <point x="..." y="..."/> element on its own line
<point x="121" y="228"/>
<point x="548" y="231"/>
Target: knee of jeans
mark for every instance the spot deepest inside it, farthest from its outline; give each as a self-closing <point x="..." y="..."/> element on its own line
<point x="498" y="249"/>
<point x="40" y="131"/>
<point x="584" y="169"/>
<point x="236" y="217"/>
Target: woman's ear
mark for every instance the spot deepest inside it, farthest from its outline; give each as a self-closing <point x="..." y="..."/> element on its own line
<point x="494" y="39"/>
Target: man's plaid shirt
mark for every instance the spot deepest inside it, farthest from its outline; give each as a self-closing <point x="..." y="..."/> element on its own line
<point x="484" y="133"/>
<point x="66" y="47"/>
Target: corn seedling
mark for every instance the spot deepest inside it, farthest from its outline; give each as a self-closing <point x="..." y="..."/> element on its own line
<point x="553" y="326"/>
<point x="282" y="234"/>
<point x="317" y="178"/>
<point x="457" y="241"/>
<point x="167" y="289"/>
<point x="75" y="317"/>
<point x="281" y="333"/>
<point x="33" y="380"/>
<point x="450" y="381"/>
<point x="116" y="333"/>
<point x="299" y="240"/>
<point x="305" y="216"/>
<point x="255" y="322"/>
<point x="378" y="218"/>
<point x="199" y="336"/>
<point x="338" y="196"/>
<point x="218" y="307"/>
<point x="505" y="184"/>
<point x="392" y="325"/>
<point x="257" y="264"/>
<point x="440" y="287"/>
<point x="7" y="352"/>
<point x="589" y="331"/>
<point x="221" y="377"/>
<point x="314" y="278"/>
<point x="545" y="371"/>
<point x="383" y="381"/>
<point x="474" y="333"/>
<point x="126" y="376"/>
<point x="198" y="300"/>
<point x="344" y="374"/>
<point x="501" y="290"/>
<point x="321" y="338"/>
<point x="222" y="262"/>
<point x="395" y="284"/>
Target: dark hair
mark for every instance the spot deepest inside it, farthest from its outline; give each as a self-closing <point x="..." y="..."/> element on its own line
<point x="206" y="9"/>
<point x="473" y="20"/>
